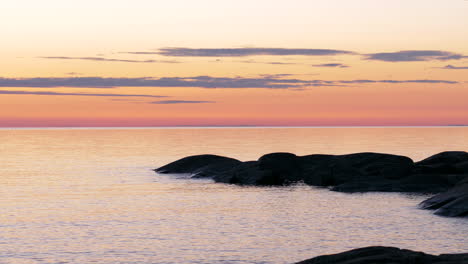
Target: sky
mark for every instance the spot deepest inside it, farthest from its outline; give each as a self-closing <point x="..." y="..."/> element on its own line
<point x="233" y="63"/>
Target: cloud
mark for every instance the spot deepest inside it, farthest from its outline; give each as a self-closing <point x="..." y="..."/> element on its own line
<point x="108" y="60"/>
<point x="198" y="81"/>
<point x="415" y="55"/>
<point x="77" y="94"/>
<point x="241" y="52"/>
<point x="274" y="76"/>
<point x="398" y="81"/>
<point x="331" y="65"/>
<point x="280" y="63"/>
<point x="263" y="82"/>
<point x="127" y="100"/>
<point x="269" y="62"/>
<point x="451" y="67"/>
<point x="181" y="102"/>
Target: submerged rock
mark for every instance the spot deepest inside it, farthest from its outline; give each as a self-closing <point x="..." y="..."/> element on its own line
<point x="387" y="255"/>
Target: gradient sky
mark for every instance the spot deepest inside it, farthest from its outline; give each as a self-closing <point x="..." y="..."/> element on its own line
<point x="207" y="62"/>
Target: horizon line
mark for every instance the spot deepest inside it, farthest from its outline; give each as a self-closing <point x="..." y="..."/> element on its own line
<point x="225" y="126"/>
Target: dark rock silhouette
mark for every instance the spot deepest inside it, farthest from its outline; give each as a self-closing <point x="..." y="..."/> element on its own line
<point x="386" y="255"/>
<point x="453" y="167"/>
<point x="445" y="173"/>
<point x="357" y="172"/>
<point x="199" y="165"/>
<point x="454" y="202"/>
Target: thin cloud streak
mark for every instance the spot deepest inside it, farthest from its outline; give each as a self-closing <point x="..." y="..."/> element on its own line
<point x="9" y="92"/>
<point x="196" y="82"/>
<point x="398" y="56"/>
<point x="414" y="55"/>
<point x="331" y="65"/>
<point x="108" y="59"/>
<point x="241" y="52"/>
<point x="399" y="81"/>
<point x="182" y="102"/>
<point x="451" y="67"/>
<point x="270" y="62"/>
<point x="265" y="82"/>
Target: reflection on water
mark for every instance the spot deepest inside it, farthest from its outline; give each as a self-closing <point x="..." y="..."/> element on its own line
<point x="89" y="195"/>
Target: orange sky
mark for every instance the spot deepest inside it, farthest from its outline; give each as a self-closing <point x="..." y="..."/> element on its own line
<point x="294" y="63"/>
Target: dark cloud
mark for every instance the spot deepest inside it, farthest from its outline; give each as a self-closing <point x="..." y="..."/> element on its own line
<point x="451" y="67"/>
<point x="181" y="102"/>
<point x="108" y="60"/>
<point x="265" y="82"/>
<point x="77" y="94"/>
<point x="415" y="55"/>
<point x="241" y="52"/>
<point x="331" y="65"/>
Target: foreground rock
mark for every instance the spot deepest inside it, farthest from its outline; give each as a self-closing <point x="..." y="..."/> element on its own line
<point x="446" y="172"/>
<point x="454" y="202"/>
<point x="454" y="166"/>
<point x="387" y="255"/>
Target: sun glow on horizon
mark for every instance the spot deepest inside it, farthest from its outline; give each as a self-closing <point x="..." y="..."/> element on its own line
<point x="301" y="63"/>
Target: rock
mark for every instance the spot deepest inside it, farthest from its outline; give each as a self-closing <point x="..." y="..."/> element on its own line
<point x="370" y="168"/>
<point x="449" y="163"/>
<point x="454" y="202"/>
<point x="317" y="169"/>
<point x="271" y="169"/>
<point x="283" y="168"/>
<point x="213" y="169"/>
<point x="447" y="157"/>
<point x="386" y="255"/>
<point x="462" y="167"/>
<point x="246" y="173"/>
<point x="194" y="164"/>
<point x="375" y="165"/>
<point x="358" y="172"/>
<point x="365" y="186"/>
<point x="446" y="170"/>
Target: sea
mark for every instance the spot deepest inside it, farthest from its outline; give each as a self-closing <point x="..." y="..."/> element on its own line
<point x="90" y="195"/>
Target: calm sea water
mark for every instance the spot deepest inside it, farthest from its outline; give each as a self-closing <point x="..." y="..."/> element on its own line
<point x="89" y="196"/>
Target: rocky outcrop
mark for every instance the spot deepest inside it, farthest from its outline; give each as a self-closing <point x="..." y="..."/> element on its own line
<point x="452" y="168"/>
<point x="445" y="172"/>
<point x="454" y="202"/>
<point x="199" y="165"/>
<point x="387" y="255"/>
